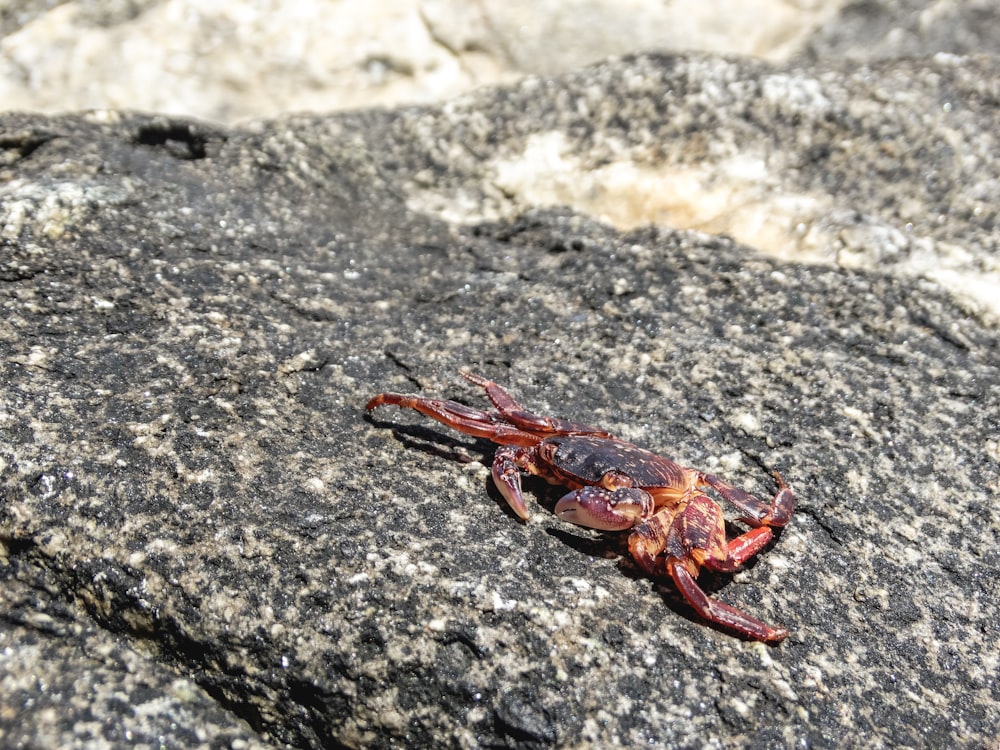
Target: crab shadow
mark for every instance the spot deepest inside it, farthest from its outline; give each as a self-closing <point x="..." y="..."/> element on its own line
<point x="434" y="443"/>
<point x="609" y="545"/>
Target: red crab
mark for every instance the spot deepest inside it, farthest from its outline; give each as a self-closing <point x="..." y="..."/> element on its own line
<point x="676" y="528"/>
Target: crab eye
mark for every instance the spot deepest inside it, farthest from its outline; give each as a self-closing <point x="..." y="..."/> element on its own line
<point x="614" y="480"/>
<point x="547" y="452"/>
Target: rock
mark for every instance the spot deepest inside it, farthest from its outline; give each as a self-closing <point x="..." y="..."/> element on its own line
<point x="229" y="60"/>
<point x="195" y="316"/>
<point x="66" y="682"/>
<point x="880" y="29"/>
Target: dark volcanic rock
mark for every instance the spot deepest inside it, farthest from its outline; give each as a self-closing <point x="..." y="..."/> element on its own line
<point x="194" y="319"/>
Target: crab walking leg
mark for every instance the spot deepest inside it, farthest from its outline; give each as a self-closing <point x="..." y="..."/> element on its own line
<point x="647" y="542"/>
<point x="678" y="544"/>
<point x="741" y="549"/>
<point x="526" y="420"/>
<point x="458" y="416"/>
<point x="697" y="537"/>
<point x="778" y="513"/>
<point x="719" y="612"/>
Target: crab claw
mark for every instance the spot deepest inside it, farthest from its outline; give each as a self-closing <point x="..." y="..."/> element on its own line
<point x="507" y="477"/>
<point x="607" y="510"/>
<point x="508" y="481"/>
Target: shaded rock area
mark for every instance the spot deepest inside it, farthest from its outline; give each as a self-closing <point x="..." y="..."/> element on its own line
<point x="193" y="318"/>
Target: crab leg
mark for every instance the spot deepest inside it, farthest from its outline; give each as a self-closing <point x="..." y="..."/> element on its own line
<point x="680" y="544"/>
<point x="720" y="612"/>
<point x="741" y="549"/>
<point x="460" y="417"/>
<point x="697" y="537"/>
<point x="778" y="513"/>
<point x="647" y="541"/>
<point x="515" y="454"/>
<point x="526" y="420"/>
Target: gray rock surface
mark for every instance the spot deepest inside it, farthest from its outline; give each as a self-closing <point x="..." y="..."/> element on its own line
<point x="867" y="30"/>
<point x="195" y="316"/>
<point x="67" y="682"/>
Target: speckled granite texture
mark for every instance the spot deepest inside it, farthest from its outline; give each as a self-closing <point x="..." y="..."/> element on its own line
<point x="67" y="682"/>
<point x="193" y="319"/>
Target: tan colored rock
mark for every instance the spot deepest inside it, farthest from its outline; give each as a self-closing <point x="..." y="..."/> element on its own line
<point x="226" y="60"/>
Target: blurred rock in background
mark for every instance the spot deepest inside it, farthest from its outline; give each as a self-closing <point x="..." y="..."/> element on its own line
<point x="228" y="60"/>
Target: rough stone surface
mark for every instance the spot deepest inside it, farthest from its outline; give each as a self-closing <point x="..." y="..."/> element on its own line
<point x="193" y="318"/>
<point x="68" y="683"/>
<point x="226" y="60"/>
<point x="767" y="156"/>
<point x="867" y="30"/>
